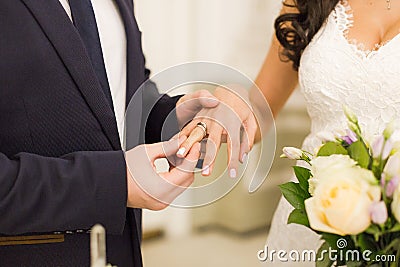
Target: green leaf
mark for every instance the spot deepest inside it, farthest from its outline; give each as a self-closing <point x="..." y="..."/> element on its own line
<point x="302" y="175"/>
<point x="395" y="228"/>
<point x="299" y="217"/>
<point x="323" y="259"/>
<point x="294" y="194"/>
<point x="395" y="244"/>
<point x="366" y="242"/>
<point x="331" y="239"/>
<point x="397" y="257"/>
<point x="374" y="230"/>
<point x="359" y="152"/>
<point x="331" y="148"/>
<point x="354" y="264"/>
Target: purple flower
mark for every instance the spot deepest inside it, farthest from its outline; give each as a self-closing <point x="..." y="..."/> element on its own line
<point x="387" y="149"/>
<point x="292" y="153"/>
<point x="383" y="180"/>
<point x="377" y="146"/>
<point x="392" y="186"/>
<point x="350" y="138"/>
<point x="379" y="213"/>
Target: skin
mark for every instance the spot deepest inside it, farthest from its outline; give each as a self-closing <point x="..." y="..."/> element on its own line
<point x="232" y="120"/>
<point x="373" y="24"/>
<point x="168" y="185"/>
<point x="151" y="190"/>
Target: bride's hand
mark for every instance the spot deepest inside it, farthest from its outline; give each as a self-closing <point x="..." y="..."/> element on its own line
<point x="232" y="120"/>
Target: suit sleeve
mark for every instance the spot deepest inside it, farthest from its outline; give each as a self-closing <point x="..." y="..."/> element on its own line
<point x="159" y="115"/>
<point x="42" y="194"/>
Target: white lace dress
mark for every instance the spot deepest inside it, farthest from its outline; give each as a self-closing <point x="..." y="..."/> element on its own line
<point x="335" y="72"/>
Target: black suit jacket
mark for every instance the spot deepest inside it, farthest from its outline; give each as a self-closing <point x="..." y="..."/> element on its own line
<point x="61" y="164"/>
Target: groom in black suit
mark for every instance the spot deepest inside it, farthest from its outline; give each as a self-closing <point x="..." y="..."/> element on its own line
<point x="62" y="168"/>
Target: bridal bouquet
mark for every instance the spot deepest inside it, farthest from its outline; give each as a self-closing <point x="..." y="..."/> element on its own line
<point x="350" y="195"/>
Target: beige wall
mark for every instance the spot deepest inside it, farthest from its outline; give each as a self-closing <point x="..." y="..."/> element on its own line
<point x="233" y="32"/>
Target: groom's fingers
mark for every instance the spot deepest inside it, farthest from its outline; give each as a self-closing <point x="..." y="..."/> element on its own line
<point x="184" y="172"/>
<point x="164" y="149"/>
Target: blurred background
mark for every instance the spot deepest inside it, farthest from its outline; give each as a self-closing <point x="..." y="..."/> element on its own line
<point x="237" y="33"/>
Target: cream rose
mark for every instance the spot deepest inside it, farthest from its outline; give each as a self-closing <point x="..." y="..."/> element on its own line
<point x="342" y="196"/>
<point x="395" y="206"/>
<point x="392" y="173"/>
<point x="320" y="165"/>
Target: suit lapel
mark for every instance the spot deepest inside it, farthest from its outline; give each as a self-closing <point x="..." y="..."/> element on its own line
<point x="62" y="34"/>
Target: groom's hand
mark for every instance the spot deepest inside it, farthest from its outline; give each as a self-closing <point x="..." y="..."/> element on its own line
<point x="191" y="104"/>
<point x="232" y="120"/>
<point x="155" y="191"/>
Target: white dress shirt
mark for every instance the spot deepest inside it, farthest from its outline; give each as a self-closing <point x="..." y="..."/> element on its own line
<point x="113" y="43"/>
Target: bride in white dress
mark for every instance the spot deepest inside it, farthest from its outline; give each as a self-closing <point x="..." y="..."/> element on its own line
<point x="353" y="59"/>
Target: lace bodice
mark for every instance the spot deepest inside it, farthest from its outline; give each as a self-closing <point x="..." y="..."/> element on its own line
<point x="335" y="72"/>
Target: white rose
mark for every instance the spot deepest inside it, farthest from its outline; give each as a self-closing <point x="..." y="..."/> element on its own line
<point x="342" y="196"/>
<point x="330" y="163"/>
<point x="312" y="184"/>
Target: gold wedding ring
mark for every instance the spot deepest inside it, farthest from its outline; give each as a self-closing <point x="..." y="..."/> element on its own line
<point x="197" y="135"/>
<point x="203" y="127"/>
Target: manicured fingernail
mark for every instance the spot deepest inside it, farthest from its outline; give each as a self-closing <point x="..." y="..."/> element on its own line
<point x="244" y="157"/>
<point x="206" y="170"/>
<point x="181" y="151"/>
<point x="232" y="173"/>
<point x="213" y="101"/>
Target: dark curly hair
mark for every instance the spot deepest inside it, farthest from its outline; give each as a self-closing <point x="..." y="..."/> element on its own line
<point x="296" y="30"/>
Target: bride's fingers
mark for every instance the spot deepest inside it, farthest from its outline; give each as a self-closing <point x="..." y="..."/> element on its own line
<point x="196" y="135"/>
<point x="212" y="147"/>
<point x="244" y="147"/>
<point x="247" y="137"/>
<point x="189" y="127"/>
<point x="251" y="127"/>
<point x="233" y="151"/>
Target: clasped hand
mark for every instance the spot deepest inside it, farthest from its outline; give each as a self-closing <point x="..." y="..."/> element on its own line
<point x="232" y="120"/>
<point x="227" y="116"/>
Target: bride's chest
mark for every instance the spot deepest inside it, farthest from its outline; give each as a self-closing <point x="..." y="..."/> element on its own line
<point x="333" y="68"/>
